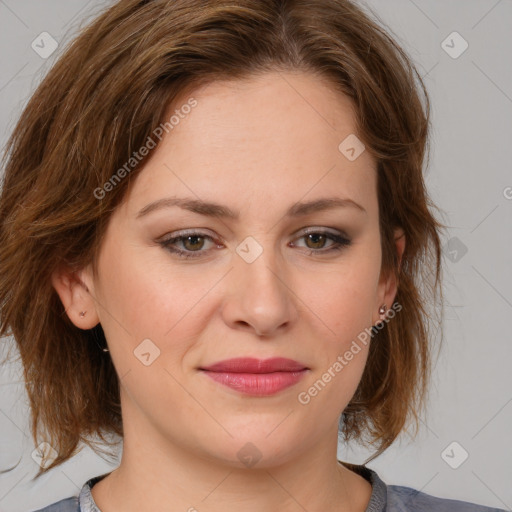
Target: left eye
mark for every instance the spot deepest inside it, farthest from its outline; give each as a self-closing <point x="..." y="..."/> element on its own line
<point x="192" y="243"/>
<point x="317" y="238"/>
<point x="195" y="242"/>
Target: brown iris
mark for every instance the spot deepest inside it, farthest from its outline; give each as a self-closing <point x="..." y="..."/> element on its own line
<point x="317" y="238"/>
<point x="194" y="245"/>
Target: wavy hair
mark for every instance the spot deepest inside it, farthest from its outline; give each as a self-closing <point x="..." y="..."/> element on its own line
<point x="105" y="95"/>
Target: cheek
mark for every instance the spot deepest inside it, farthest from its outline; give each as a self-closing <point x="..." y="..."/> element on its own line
<point x="146" y="298"/>
<point x="343" y="300"/>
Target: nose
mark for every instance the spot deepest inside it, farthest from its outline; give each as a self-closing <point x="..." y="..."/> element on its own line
<point x="260" y="296"/>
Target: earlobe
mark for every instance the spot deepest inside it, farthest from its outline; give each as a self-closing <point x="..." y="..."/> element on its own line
<point x="75" y="297"/>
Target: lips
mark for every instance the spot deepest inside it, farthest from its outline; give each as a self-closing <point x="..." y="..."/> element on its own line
<point x="257" y="377"/>
<point x="252" y="365"/>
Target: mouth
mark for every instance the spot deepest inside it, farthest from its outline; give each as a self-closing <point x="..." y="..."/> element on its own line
<point x="258" y="377"/>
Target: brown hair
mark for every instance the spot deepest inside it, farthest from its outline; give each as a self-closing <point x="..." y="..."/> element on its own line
<point x="99" y="103"/>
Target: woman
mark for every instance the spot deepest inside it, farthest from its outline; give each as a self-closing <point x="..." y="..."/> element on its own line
<point x="213" y="226"/>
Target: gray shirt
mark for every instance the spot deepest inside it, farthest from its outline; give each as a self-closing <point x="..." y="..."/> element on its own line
<point x="384" y="498"/>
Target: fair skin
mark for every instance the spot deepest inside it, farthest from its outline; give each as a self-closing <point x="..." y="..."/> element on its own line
<point x="256" y="146"/>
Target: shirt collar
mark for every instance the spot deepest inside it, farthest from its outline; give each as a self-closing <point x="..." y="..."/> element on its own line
<point x="377" y="501"/>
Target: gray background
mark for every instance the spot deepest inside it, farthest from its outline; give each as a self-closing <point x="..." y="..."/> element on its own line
<point x="469" y="177"/>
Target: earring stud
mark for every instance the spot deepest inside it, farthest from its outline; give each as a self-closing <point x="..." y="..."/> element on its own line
<point x="82" y="313"/>
<point x="382" y="309"/>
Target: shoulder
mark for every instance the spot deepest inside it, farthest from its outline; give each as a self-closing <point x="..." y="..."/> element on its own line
<point x="398" y="498"/>
<point x="84" y="502"/>
<point x="404" y="499"/>
<point x="65" y="505"/>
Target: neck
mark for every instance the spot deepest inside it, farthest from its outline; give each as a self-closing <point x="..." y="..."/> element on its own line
<point x="157" y="474"/>
<point x="309" y="482"/>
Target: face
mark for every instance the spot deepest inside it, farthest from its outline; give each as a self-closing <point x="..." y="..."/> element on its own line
<point x="181" y="287"/>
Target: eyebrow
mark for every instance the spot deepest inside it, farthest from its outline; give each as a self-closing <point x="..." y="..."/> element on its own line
<point x="219" y="211"/>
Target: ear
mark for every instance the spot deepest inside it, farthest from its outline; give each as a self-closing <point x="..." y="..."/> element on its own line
<point x="76" y="296"/>
<point x="388" y="284"/>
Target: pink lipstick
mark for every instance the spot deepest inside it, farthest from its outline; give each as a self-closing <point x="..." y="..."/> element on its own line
<point x="260" y="377"/>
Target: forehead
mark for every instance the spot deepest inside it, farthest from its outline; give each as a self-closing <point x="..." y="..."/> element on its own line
<point x="272" y="136"/>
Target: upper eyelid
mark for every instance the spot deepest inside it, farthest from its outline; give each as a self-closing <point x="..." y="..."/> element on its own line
<point x="299" y="233"/>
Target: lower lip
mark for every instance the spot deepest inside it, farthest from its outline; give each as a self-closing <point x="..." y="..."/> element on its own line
<point x="261" y="384"/>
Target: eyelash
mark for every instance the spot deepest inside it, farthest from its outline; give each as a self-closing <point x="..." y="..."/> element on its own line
<point x="340" y="242"/>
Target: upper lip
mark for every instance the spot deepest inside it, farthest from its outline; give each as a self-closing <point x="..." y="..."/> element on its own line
<point x="253" y="365"/>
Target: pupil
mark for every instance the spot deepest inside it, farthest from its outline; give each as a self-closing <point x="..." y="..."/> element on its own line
<point x="316" y="238"/>
<point x="194" y="245"/>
